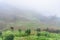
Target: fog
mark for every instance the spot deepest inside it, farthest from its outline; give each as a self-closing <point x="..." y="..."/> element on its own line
<point x="45" y="7"/>
<point x="29" y="14"/>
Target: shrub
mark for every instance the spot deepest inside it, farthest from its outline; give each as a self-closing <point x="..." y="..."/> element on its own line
<point x="38" y="34"/>
<point x="0" y="33"/>
<point x="47" y="29"/>
<point x="38" y="29"/>
<point x="9" y="37"/>
<point x="28" y="31"/>
<point x="19" y="30"/>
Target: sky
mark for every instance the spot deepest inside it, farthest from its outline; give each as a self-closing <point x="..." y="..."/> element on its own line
<point x="45" y="7"/>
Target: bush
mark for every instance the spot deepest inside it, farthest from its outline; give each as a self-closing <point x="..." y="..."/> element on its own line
<point x="0" y="33"/>
<point x="47" y="29"/>
<point x="38" y="29"/>
<point x="19" y="30"/>
<point x="38" y="34"/>
<point x="28" y="31"/>
<point x="9" y="37"/>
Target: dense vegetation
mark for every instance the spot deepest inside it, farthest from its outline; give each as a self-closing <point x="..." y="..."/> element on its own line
<point x="28" y="34"/>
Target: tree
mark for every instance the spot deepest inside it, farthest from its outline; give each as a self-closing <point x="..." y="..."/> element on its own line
<point x="12" y="28"/>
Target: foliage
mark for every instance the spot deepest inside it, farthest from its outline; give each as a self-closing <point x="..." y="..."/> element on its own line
<point x="9" y="37"/>
<point x="38" y="34"/>
<point x="38" y="29"/>
<point x="19" y="30"/>
<point x="28" y="31"/>
<point x="23" y="35"/>
<point x="0" y="33"/>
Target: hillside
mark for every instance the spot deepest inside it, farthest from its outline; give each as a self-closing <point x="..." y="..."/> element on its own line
<point x="12" y="16"/>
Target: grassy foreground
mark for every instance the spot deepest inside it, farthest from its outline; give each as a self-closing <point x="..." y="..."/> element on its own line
<point x="34" y="35"/>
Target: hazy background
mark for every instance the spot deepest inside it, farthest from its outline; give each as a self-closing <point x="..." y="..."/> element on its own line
<point x="45" y="7"/>
<point x="29" y="13"/>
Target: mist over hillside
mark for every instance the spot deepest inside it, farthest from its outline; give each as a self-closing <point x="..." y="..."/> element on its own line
<point x="10" y="14"/>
